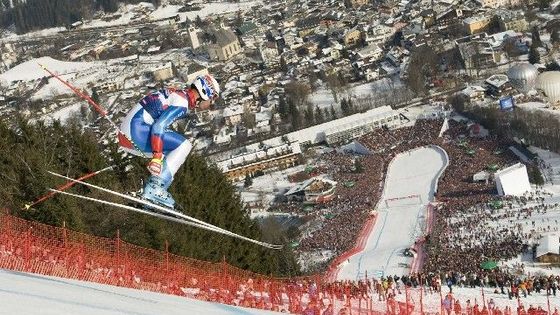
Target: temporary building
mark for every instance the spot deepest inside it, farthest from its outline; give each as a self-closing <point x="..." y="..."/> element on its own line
<point x="512" y="180"/>
<point x="549" y="248"/>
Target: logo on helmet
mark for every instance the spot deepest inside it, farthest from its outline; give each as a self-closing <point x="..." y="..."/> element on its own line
<point x="207" y="87"/>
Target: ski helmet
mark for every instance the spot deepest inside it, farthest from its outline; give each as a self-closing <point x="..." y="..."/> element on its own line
<point x="207" y="87"/>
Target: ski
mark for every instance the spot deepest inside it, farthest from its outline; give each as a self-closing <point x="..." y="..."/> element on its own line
<point x="64" y="187"/>
<point x="163" y="212"/>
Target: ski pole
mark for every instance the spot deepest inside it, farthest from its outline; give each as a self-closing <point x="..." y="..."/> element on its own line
<point x="64" y="187"/>
<point x="102" y="111"/>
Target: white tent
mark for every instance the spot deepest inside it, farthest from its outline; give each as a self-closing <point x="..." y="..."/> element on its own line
<point x="549" y="244"/>
<point x="512" y="180"/>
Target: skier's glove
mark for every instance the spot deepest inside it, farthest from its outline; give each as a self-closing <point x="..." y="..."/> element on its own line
<point x="155" y="166"/>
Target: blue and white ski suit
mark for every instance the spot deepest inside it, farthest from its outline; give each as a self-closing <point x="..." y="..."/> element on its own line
<point x="147" y="125"/>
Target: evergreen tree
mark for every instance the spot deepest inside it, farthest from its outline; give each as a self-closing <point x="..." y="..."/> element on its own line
<point x="309" y="115"/>
<point x="333" y="113"/>
<point x="283" y="64"/>
<point x="535" y="175"/>
<point x="346" y="107"/>
<point x="319" y="116"/>
<point x="458" y="102"/>
<point x="555" y="37"/>
<point x="283" y="108"/>
<point x="544" y="4"/>
<point x="27" y="151"/>
<point x="198" y="22"/>
<point x="351" y="106"/>
<point x="534" y="56"/>
<point x="535" y="37"/>
<point x="95" y="96"/>
<point x="358" y="167"/>
<point x="553" y="66"/>
<point x="108" y="5"/>
<point x="248" y="181"/>
<point x="294" y="114"/>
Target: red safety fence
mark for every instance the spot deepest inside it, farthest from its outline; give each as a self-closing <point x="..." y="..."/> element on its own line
<point x="418" y="246"/>
<point x="56" y="251"/>
<point x="360" y="246"/>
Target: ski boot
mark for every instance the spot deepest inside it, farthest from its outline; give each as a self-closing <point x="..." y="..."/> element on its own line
<point x="154" y="191"/>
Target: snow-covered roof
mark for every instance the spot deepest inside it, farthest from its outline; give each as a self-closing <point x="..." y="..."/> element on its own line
<point x="233" y="111"/>
<point x="482" y="175"/>
<point x="263" y="115"/>
<point x="317" y="133"/>
<point x="369" y="51"/>
<point x="475" y="19"/>
<point x="472" y="90"/>
<point x="153" y="49"/>
<point x="303" y="185"/>
<point x="497" y="80"/>
<point x="254" y="156"/>
<point x="496" y="40"/>
<point x="300" y="186"/>
<point x="361" y="119"/>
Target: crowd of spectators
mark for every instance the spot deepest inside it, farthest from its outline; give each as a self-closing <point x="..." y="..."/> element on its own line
<point x="467" y="228"/>
<point x="464" y="203"/>
<point x="355" y="202"/>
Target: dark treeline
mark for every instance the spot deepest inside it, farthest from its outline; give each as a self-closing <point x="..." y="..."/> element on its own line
<point x="27" y="151"/>
<point x="29" y="15"/>
<point x="534" y="127"/>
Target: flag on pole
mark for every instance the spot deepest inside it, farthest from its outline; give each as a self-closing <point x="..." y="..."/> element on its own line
<point x="444" y="127"/>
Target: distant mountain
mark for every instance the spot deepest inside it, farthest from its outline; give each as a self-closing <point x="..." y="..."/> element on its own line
<point x="30" y="15"/>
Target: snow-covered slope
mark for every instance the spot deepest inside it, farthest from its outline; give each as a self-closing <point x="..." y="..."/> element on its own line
<point x="30" y="70"/>
<point x="24" y="293"/>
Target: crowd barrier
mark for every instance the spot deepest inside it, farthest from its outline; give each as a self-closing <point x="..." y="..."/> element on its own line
<point x="28" y="246"/>
<point x="360" y="246"/>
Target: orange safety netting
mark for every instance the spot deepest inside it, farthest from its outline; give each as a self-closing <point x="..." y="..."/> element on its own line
<point x="33" y="247"/>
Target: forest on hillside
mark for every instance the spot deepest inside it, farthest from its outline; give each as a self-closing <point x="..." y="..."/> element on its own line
<point x="28" y="151"/>
<point x="29" y="15"/>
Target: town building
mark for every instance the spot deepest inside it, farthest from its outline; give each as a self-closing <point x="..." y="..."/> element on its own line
<point x="498" y="85"/>
<point x="474" y="93"/>
<point x="498" y="3"/>
<point x="357" y="3"/>
<point x="269" y="53"/>
<point x="193" y="36"/>
<point x="352" y="37"/>
<point x="265" y="158"/>
<point x="360" y="124"/>
<point x="226" y="45"/>
<point x="236" y="165"/>
<point x="314" y="190"/>
<point x="512" y="20"/>
<point x="191" y="71"/>
<point x="164" y="72"/>
<point x="477" y="24"/>
<point x="109" y="86"/>
<point x="476" y="54"/>
<point x="233" y="114"/>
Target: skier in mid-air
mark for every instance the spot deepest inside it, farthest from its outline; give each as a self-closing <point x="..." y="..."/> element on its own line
<point x="146" y="132"/>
